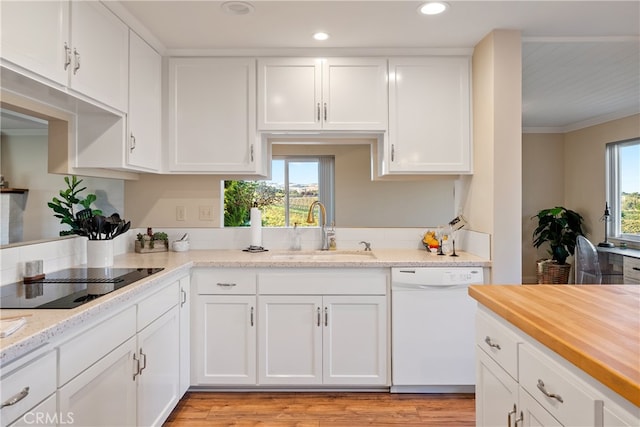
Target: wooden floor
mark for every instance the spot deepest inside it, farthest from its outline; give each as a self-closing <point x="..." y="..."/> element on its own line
<point x="323" y="409"/>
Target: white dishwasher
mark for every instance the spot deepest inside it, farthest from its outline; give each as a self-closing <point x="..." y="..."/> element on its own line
<point x="433" y="329"/>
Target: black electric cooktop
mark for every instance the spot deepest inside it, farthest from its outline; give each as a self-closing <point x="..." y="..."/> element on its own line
<point x="70" y="288"/>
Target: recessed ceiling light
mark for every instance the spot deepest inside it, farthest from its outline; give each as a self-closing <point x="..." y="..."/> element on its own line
<point x="320" y="36"/>
<point x="433" y="8"/>
<point x="237" y="7"/>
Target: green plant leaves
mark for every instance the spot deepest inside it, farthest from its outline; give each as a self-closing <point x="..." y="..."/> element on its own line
<point x="559" y="227"/>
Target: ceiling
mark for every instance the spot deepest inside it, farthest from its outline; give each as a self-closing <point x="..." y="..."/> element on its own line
<point x="581" y="59"/>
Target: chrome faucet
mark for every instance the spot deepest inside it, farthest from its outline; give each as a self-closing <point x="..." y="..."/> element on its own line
<point x="367" y="246"/>
<point x="323" y="223"/>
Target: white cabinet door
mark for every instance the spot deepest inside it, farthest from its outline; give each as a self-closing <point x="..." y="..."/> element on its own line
<point x="496" y="393"/>
<point x="185" y="335"/>
<point x="158" y="378"/>
<point x="34" y="35"/>
<point x="314" y="93"/>
<point x="289" y="93"/>
<point x="429" y="116"/>
<point x="290" y="339"/>
<point x="354" y="94"/>
<point x="100" y="54"/>
<point x="143" y="148"/>
<point x="225" y="339"/>
<point x="212" y="126"/>
<point x="355" y="340"/>
<point x="104" y="394"/>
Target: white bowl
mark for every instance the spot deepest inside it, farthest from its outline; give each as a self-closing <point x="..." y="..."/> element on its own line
<point x="180" y="246"/>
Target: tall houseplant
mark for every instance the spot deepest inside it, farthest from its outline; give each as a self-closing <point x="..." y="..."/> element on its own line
<point x="65" y="206"/>
<point x="559" y="227"/>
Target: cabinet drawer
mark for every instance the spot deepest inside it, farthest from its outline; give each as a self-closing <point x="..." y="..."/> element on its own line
<point x="561" y="393"/>
<point x="314" y="282"/>
<point x="157" y="304"/>
<point x="85" y="349"/>
<point x="226" y="281"/>
<point x="35" y="381"/>
<point x="498" y="341"/>
<point x="631" y="270"/>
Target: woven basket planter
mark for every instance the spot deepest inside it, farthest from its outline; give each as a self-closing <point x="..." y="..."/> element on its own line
<point x="551" y="273"/>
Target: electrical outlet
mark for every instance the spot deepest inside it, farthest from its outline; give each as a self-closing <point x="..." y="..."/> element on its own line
<point x="181" y="213"/>
<point x="206" y="213"/>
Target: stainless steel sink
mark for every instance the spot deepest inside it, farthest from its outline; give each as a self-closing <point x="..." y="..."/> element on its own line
<point x="324" y="255"/>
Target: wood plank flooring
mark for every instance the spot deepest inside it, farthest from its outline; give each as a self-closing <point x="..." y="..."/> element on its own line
<point x="198" y="409"/>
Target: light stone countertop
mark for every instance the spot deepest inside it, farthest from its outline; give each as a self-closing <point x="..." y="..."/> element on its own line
<point x="44" y="326"/>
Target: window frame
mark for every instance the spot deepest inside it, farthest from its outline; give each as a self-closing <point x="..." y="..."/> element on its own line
<point x="613" y="190"/>
<point x="326" y="184"/>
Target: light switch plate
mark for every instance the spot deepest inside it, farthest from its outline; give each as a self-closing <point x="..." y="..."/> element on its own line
<point x="206" y="213"/>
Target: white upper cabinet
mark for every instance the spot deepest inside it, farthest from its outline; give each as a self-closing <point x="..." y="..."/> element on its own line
<point x="429" y="116"/>
<point x="143" y="148"/>
<point x="80" y="45"/>
<point x="332" y="94"/>
<point x="34" y="36"/>
<point x="99" y="53"/>
<point x="212" y="119"/>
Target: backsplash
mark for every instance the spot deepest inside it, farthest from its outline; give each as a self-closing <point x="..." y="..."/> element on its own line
<point x="70" y="252"/>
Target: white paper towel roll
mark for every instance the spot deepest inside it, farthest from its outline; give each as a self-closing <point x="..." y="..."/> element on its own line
<point x="256" y="227"/>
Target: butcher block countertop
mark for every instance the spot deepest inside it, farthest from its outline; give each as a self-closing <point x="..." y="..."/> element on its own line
<point x="597" y="328"/>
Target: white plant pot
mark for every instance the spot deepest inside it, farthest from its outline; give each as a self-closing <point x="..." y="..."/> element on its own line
<point x="99" y="253"/>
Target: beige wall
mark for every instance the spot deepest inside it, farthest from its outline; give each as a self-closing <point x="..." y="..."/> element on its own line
<point x="584" y="163"/>
<point x="568" y="170"/>
<point x="493" y="203"/>
<point x="542" y="187"/>
<point x="359" y="202"/>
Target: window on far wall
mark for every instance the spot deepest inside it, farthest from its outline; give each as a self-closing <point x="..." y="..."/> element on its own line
<point x="296" y="182"/>
<point x="623" y="163"/>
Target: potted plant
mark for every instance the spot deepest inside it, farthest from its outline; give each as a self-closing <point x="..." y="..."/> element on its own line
<point x="63" y="207"/>
<point x="559" y="227"/>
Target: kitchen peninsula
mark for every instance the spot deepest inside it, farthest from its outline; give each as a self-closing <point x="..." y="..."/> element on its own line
<point x="567" y="354"/>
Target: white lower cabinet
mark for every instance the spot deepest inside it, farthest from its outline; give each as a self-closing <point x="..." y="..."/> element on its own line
<point x="121" y="370"/>
<point x="338" y="340"/>
<point x="534" y="386"/>
<point x="225" y="342"/>
<point x="185" y="334"/>
<point x="105" y="393"/>
<point x="159" y="369"/>
<point x="290" y="327"/>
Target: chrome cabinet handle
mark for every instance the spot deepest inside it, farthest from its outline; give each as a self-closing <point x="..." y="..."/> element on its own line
<point x="325" y="111"/>
<point x="326" y="317"/>
<point x="136" y="371"/>
<point x="318" y="110"/>
<point x="133" y="143"/>
<point x="393" y="152"/>
<point x="16" y="398"/>
<point x="76" y="55"/>
<point x="226" y="285"/>
<point x="318" y="316"/>
<point x="542" y="388"/>
<point x="67" y="56"/>
<point x="184" y="297"/>
<point x="251" y="316"/>
<point x="511" y="412"/>
<point x="520" y="419"/>
<point x="251" y="153"/>
<point x="143" y="359"/>
<point x="491" y="344"/>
